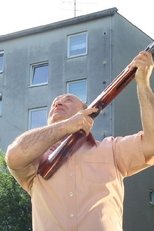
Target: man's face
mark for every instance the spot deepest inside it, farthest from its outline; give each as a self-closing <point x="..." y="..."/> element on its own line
<point x="63" y="107"/>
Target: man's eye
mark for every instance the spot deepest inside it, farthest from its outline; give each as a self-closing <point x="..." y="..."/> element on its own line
<point x="68" y="100"/>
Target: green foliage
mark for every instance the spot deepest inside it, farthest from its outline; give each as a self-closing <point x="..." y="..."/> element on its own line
<point x="15" y="205"/>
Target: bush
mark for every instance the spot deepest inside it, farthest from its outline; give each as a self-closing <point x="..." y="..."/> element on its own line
<point x="15" y="212"/>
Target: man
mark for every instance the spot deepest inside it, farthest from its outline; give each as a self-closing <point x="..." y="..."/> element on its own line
<point x="86" y="193"/>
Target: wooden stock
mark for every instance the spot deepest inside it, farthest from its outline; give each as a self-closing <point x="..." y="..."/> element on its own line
<point x="74" y="141"/>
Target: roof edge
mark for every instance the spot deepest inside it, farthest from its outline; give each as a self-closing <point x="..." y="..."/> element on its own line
<point x="59" y="24"/>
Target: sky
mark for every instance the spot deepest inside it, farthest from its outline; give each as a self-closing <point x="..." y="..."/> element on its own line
<point x="17" y="15"/>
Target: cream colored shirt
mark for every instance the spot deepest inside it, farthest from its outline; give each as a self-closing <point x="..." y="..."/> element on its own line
<point x="86" y="193"/>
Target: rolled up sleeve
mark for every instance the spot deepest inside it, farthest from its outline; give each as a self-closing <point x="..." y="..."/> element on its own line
<point x="129" y="155"/>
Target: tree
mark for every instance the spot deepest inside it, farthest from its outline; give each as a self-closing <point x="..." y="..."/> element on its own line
<point x="15" y="212"/>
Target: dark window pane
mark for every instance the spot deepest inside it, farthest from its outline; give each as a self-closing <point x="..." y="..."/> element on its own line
<point x="0" y="104"/>
<point x="1" y="62"/>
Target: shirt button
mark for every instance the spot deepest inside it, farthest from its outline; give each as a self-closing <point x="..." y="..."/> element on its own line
<point x="71" y="194"/>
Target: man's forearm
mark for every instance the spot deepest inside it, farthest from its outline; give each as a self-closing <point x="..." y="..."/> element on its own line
<point x="33" y="143"/>
<point x="146" y="99"/>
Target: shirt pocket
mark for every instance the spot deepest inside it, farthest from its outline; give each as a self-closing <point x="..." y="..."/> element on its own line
<point x="98" y="169"/>
<point x="96" y="173"/>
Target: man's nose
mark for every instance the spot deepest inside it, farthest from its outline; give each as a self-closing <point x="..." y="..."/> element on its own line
<point x="59" y="102"/>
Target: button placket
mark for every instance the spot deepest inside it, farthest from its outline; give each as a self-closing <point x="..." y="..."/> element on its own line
<point x="71" y="190"/>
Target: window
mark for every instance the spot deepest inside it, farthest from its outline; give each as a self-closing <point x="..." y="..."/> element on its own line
<point x="1" y="61"/>
<point x="37" y="117"/>
<point x="78" y="88"/>
<point x="77" y="45"/>
<point x="39" y="74"/>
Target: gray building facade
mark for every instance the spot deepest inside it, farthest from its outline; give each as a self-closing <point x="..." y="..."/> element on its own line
<point x="80" y="55"/>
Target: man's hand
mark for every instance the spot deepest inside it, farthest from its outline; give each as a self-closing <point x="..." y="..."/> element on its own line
<point x="144" y="63"/>
<point x="81" y="121"/>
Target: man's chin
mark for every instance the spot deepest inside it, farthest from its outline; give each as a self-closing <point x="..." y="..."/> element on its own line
<point x="54" y="119"/>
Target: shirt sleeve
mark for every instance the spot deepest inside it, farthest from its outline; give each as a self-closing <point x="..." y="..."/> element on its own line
<point x="129" y="155"/>
<point x="25" y="176"/>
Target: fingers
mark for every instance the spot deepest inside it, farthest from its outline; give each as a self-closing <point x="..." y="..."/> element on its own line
<point x="89" y="111"/>
<point x="144" y="64"/>
<point x="86" y="120"/>
<point x="81" y="121"/>
<point x="142" y="60"/>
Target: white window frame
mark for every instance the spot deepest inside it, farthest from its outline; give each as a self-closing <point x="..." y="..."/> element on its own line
<point x="69" y="45"/>
<point x="33" y="66"/>
<point x="34" y="110"/>
<point x="77" y="81"/>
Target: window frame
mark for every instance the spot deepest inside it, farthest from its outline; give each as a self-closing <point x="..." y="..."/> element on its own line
<point x="69" y="46"/>
<point x="32" y="69"/>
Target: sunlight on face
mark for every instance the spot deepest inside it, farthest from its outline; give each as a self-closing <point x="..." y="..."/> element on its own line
<point x="63" y="107"/>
